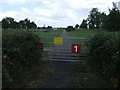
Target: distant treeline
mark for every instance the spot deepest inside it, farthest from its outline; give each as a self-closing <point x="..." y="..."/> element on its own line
<point x="10" y="23"/>
<point x="100" y="20"/>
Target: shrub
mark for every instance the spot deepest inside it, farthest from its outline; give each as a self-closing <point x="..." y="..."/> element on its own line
<point x="20" y="54"/>
<point x="104" y="53"/>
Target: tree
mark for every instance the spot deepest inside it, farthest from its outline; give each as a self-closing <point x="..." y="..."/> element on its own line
<point x="27" y="24"/>
<point x="70" y="28"/>
<point x="94" y="19"/>
<point x="9" y="22"/>
<point x="76" y="26"/>
<point x="49" y="27"/>
<point x="103" y="17"/>
<point x="22" y="24"/>
<point x="112" y="22"/>
<point x="84" y="24"/>
<point x="32" y="25"/>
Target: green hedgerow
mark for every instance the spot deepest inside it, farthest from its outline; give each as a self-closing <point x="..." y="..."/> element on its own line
<point x="19" y="53"/>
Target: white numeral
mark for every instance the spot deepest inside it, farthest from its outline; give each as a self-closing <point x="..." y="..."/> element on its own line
<point x="75" y="48"/>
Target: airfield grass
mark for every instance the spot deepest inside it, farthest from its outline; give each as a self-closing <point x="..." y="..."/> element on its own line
<point x="81" y="33"/>
<point x="84" y="33"/>
<point x="48" y="42"/>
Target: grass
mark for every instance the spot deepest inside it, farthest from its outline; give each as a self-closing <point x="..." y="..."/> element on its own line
<point x="82" y="33"/>
<point x="89" y="80"/>
<point x="84" y="77"/>
<point x="41" y="78"/>
<point x="84" y="48"/>
<point x="48" y="33"/>
<point x="48" y="41"/>
<point x="86" y="34"/>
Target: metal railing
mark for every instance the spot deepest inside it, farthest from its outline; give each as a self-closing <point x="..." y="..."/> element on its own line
<point x="63" y="51"/>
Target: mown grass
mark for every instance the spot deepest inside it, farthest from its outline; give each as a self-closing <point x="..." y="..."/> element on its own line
<point x="45" y="37"/>
<point x="84" y="33"/>
<point x="81" y="33"/>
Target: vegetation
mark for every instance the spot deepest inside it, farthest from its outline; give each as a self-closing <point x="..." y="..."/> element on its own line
<point x="99" y="20"/>
<point x="70" y="28"/>
<point x="21" y="58"/>
<point x="104" y="55"/>
<point x="103" y="51"/>
<point x="90" y="80"/>
<point x="84" y="24"/>
<point x="10" y="23"/>
<point x="113" y="19"/>
<point x="96" y="19"/>
<point x="83" y="33"/>
<point x="76" y="26"/>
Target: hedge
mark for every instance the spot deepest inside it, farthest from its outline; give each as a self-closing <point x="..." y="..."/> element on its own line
<point x="19" y="55"/>
<point x="104" y="54"/>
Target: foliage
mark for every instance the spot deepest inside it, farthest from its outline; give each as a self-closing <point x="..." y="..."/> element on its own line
<point x="112" y="22"/>
<point x="70" y="28"/>
<point x="96" y="19"/>
<point x="49" y="27"/>
<point x="83" y="24"/>
<point x="20" y="55"/>
<point x="76" y="26"/>
<point x="104" y="53"/>
<point x="90" y="80"/>
<point x="26" y="23"/>
<point x="10" y="23"/>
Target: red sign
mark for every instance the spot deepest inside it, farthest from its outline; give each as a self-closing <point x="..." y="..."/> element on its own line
<point x="76" y="48"/>
<point x="39" y="46"/>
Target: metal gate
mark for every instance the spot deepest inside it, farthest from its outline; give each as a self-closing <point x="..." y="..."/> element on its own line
<point x="63" y="52"/>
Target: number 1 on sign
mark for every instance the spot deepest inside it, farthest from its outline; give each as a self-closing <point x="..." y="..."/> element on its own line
<point x="76" y="47"/>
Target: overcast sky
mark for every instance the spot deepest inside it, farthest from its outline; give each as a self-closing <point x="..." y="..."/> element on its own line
<point x="56" y="13"/>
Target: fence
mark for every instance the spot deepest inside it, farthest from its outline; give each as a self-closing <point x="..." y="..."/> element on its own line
<point x="63" y="52"/>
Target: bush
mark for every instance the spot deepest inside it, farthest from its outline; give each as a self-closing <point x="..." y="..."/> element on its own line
<point x="104" y="53"/>
<point x="20" y="54"/>
<point x="70" y="28"/>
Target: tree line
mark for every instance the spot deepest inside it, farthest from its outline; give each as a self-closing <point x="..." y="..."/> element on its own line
<point x="100" y="20"/>
<point x="10" y="23"/>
